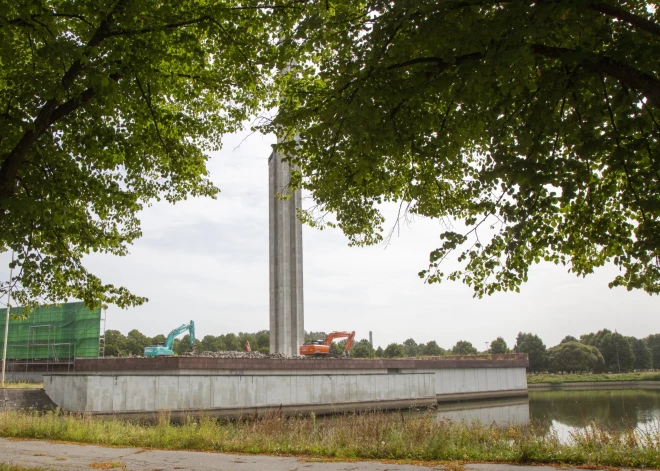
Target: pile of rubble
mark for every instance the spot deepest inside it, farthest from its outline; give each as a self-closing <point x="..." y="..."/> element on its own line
<point x="241" y="355"/>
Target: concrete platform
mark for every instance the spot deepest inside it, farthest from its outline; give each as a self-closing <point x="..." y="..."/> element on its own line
<point x="195" y="385"/>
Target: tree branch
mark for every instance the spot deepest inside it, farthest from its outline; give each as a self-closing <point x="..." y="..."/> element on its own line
<point x="158" y="27"/>
<point x="627" y="17"/>
<point x="440" y="63"/>
<point x="49" y="113"/>
<point x="648" y="85"/>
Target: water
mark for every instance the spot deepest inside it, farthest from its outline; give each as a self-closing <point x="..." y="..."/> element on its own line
<point x="566" y="411"/>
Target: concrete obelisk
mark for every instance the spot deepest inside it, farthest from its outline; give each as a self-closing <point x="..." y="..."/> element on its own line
<point x="286" y="270"/>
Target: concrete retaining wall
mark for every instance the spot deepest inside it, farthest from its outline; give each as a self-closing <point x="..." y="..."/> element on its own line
<point x="130" y="393"/>
<point x="20" y="399"/>
<point x="479" y="380"/>
<point x="127" y="385"/>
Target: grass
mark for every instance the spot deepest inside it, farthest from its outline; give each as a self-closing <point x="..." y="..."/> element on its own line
<point x="376" y="435"/>
<point x="23" y="385"/>
<point x="572" y="378"/>
<point x="107" y="465"/>
<point x="11" y="467"/>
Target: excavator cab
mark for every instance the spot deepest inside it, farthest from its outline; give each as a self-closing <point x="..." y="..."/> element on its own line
<point x="315" y="347"/>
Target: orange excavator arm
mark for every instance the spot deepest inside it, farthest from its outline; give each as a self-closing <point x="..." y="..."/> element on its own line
<point x="349" y="343"/>
<point x="337" y="335"/>
<point x="350" y="336"/>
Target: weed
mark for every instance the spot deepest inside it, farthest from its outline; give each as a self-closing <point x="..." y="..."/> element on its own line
<point x="372" y="435"/>
<point x="23" y="385"/>
<point x="591" y="378"/>
<point x="106" y="465"/>
<point x="11" y="467"/>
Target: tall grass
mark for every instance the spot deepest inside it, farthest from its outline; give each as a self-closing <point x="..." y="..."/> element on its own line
<point x="572" y="378"/>
<point x="22" y="385"/>
<point x="11" y="467"/>
<point x="372" y="435"/>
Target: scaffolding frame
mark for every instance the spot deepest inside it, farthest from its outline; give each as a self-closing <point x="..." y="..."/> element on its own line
<point x="53" y="336"/>
<point x="51" y="357"/>
<point x="102" y="335"/>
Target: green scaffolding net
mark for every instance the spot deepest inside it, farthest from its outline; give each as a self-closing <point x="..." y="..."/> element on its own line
<point x="48" y="332"/>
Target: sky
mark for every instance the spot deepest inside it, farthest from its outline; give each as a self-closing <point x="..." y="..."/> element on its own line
<point x="207" y="260"/>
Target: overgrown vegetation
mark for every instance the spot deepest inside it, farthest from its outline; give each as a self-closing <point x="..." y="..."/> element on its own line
<point x="23" y="385"/>
<point x="572" y="378"/>
<point x="375" y="435"/>
<point x="11" y="467"/>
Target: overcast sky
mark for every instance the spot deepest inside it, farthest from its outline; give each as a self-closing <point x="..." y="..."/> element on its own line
<point x="207" y="260"/>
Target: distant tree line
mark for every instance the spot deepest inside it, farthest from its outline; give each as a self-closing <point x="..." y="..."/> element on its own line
<point x="602" y="351"/>
<point x="117" y="344"/>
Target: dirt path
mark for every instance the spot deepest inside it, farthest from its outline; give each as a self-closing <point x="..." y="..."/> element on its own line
<point x="64" y="456"/>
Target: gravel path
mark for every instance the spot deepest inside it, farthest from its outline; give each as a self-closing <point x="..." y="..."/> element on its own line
<point x="64" y="456"/>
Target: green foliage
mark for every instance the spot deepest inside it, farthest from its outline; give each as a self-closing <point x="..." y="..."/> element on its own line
<point x="534" y="124"/>
<point x="498" y="346"/>
<point x="432" y="349"/>
<point x="596" y="377"/>
<point x="569" y="338"/>
<point x="309" y="336"/>
<point x="615" y="348"/>
<point x="394" y="350"/>
<point x="107" y="107"/>
<point x="181" y="345"/>
<point x="411" y="348"/>
<point x="463" y="347"/>
<point x="574" y="357"/>
<point x="367" y="436"/>
<point x="23" y="385"/>
<point x="115" y="343"/>
<point x="11" y="467"/>
<point x="232" y="343"/>
<point x="380" y="353"/>
<point x="653" y="343"/>
<point x="362" y="349"/>
<point x="535" y="349"/>
<point x="136" y="342"/>
<point x="643" y="355"/>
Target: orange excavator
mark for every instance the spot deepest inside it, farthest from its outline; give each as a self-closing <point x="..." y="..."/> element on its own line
<point x="322" y="347"/>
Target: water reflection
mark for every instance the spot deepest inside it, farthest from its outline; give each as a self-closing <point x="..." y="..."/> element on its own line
<point x="615" y="409"/>
<point x="565" y="411"/>
<point x="513" y="411"/>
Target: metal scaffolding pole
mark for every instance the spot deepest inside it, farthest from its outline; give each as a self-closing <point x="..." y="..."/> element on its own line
<point x="4" y="345"/>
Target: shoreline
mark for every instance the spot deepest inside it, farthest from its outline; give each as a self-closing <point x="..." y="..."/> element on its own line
<point x="593" y="385"/>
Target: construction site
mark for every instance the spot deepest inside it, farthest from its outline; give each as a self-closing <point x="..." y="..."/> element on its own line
<point x="64" y="346"/>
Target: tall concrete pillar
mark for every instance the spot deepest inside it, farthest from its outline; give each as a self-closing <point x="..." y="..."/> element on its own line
<point x="286" y="272"/>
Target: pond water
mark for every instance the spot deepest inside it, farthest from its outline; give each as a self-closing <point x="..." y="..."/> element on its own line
<point x="566" y="411"/>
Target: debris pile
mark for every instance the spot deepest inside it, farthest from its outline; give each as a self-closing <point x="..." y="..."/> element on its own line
<point x="241" y="355"/>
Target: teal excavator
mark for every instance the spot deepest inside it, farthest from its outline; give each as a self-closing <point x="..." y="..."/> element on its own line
<point x="165" y="350"/>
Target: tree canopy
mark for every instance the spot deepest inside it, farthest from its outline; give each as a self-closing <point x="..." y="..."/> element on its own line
<point x="499" y="346"/>
<point x="574" y="357"/>
<point x="533" y="346"/>
<point x="616" y="349"/>
<point x="643" y="354"/>
<point x="534" y="124"/>
<point x="463" y="347"/>
<point x="107" y="106"/>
